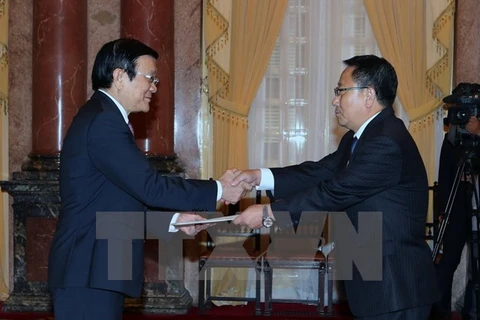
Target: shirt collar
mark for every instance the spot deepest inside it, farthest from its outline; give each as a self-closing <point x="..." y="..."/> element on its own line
<point x="119" y="106"/>
<point x="358" y="134"/>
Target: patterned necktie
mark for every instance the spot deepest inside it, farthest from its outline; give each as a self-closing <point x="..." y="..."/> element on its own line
<point x="131" y="128"/>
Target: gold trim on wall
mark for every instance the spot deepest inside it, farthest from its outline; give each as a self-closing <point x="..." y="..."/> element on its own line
<point x="3" y="4"/>
<point x="3" y="66"/>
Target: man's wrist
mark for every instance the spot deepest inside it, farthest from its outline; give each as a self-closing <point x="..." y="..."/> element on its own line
<point x="171" y="227"/>
<point x="266" y="181"/>
<point x="219" y="190"/>
<point x="267" y="217"/>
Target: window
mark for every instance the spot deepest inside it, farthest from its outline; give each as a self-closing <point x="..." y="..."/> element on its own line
<point x="291" y="119"/>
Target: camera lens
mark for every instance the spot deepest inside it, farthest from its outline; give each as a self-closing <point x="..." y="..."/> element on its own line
<point x="461" y="116"/>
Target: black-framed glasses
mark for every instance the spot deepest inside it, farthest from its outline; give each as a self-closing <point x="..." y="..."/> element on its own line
<point x="338" y="90"/>
<point x="153" y="80"/>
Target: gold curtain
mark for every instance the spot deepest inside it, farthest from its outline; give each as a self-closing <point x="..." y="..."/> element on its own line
<point x="402" y="34"/>
<point x="3" y="147"/>
<point x="239" y="38"/>
<point x="251" y="38"/>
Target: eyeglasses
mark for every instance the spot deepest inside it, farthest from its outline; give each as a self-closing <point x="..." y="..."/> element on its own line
<point x="154" y="80"/>
<point x="338" y="90"/>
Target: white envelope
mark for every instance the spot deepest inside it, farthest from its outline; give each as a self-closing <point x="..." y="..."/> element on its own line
<point x="213" y="220"/>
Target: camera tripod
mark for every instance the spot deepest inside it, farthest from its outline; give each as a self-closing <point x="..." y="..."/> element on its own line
<point x="465" y="169"/>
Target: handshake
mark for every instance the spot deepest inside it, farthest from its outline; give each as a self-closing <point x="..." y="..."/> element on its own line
<point x="237" y="183"/>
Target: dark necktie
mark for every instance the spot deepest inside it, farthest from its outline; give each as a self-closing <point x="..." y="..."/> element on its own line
<point x="131" y="128"/>
<point x="352" y="148"/>
<point x="354" y="144"/>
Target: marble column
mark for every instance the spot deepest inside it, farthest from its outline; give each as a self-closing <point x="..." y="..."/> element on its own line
<point x="152" y="22"/>
<point x="59" y="73"/>
<point x="466" y="69"/>
<point x="59" y="53"/>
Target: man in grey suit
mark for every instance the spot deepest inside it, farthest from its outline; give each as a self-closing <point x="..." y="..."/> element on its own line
<point x="102" y="170"/>
<point x="377" y="168"/>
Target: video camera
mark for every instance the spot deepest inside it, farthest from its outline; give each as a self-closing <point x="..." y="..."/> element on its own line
<point x="463" y="103"/>
<point x="459" y="115"/>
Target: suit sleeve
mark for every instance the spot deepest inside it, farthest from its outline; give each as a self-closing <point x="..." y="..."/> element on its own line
<point x="374" y="169"/>
<point x="114" y="153"/>
<point x="299" y="178"/>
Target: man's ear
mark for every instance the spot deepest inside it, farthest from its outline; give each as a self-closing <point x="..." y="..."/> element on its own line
<point x="370" y="97"/>
<point x="118" y="75"/>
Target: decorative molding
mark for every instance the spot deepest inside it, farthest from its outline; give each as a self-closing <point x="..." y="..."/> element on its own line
<point x="430" y="119"/>
<point x="3" y="56"/>
<point x="442" y="65"/>
<point x="3" y="5"/>
<point x="214" y="69"/>
<point x="4" y="103"/>
<point x="227" y="115"/>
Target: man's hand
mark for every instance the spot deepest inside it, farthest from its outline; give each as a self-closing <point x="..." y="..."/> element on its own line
<point x="194" y="229"/>
<point x="473" y="126"/>
<point x="251" y="177"/>
<point x="233" y="193"/>
<point x="252" y="216"/>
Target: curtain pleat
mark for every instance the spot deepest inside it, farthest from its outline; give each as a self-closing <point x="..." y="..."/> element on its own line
<point x="239" y="42"/>
<point x="402" y="34"/>
<point x="253" y="31"/>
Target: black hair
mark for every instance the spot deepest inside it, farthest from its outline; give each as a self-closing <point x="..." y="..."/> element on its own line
<point x="375" y="72"/>
<point x="122" y="53"/>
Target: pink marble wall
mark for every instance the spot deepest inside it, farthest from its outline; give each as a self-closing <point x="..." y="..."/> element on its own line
<point x="20" y="93"/>
<point x="467" y="42"/>
<point x="20" y="82"/>
<point x="188" y="31"/>
<point x="188" y="57"/>
<point x="103" y="26"/>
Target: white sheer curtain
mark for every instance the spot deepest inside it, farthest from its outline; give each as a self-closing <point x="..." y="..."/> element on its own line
<point x="291" y="119"/>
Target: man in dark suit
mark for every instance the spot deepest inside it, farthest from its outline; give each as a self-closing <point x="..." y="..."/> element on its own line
<point x="459" y="144"/>
<point x="458" y="229"/>
<point x="102" y="170"/>
<point x="377" y="168"/>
